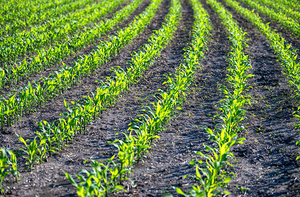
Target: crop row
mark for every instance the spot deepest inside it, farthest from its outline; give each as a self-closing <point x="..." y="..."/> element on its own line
<point x="14" y="20"/>
<point x="35" y="94"/>
<point x="290" y="3"/>
<point x="31" y="41"/>
<point x="107" y="175"/>
<point x="48" y="57"/>
<point x="287" y="57"/>
<point x="21" y="9"/>
<point x="281" y="9"/>
<point x="213" y="175"/>
<point x="289" y="23"/>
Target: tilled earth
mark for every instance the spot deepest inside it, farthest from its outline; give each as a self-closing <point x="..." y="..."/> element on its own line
<point x="264" y="165"/>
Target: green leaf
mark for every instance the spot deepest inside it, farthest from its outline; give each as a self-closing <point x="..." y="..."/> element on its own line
<point x="120" y="187"/>
<point x="227" y="180"/>
<point x="70" y="179"/>
<point x="179" y="191"/>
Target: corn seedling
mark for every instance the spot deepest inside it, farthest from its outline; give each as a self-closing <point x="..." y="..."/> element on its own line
<point x="8" y="166"/>
<point x="32" y="151"/>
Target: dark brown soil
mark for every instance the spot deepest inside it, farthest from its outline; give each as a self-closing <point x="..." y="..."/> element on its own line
<point x="265" y="163"/>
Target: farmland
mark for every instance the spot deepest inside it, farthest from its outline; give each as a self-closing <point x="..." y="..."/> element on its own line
<point x="149" y="98"/>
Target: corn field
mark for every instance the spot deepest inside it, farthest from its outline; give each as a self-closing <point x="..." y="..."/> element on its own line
<point x="194" y="98"/>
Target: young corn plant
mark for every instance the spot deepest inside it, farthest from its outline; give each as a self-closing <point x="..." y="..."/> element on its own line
<point x="100" y="181"/>
<point x="126" y="155"/>
<point x="32" y="151"/>
<point x="8" y="166"/>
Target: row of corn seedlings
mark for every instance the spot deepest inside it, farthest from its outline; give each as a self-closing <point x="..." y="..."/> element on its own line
<point x="287" y="57"/>
<point x="36" y="94"/>
<point x="290" y="3"/>
<point x="281" y="8"/>
<point x="8" y="166"/>
<point x="57" y="29"/>
<point x="20" y="20"/>
<point x="53" y="136"/>
<point x="21" y="9"/>
<point x="48" y="57"/>
<point x="144" y="130"/>
<point x="211" y="173"/>
<point x="287" y="22"/>
<point x="108" y="175"/>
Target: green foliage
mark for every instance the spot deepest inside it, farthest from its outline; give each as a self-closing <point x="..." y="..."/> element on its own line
<point x="54" y="30"/>
<point x="32" y="151"/>
<point x="276" y="15"/>
<point x="63" y="49"/>
<point x="35" y="94"/>
<point x="8" y="165"/>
